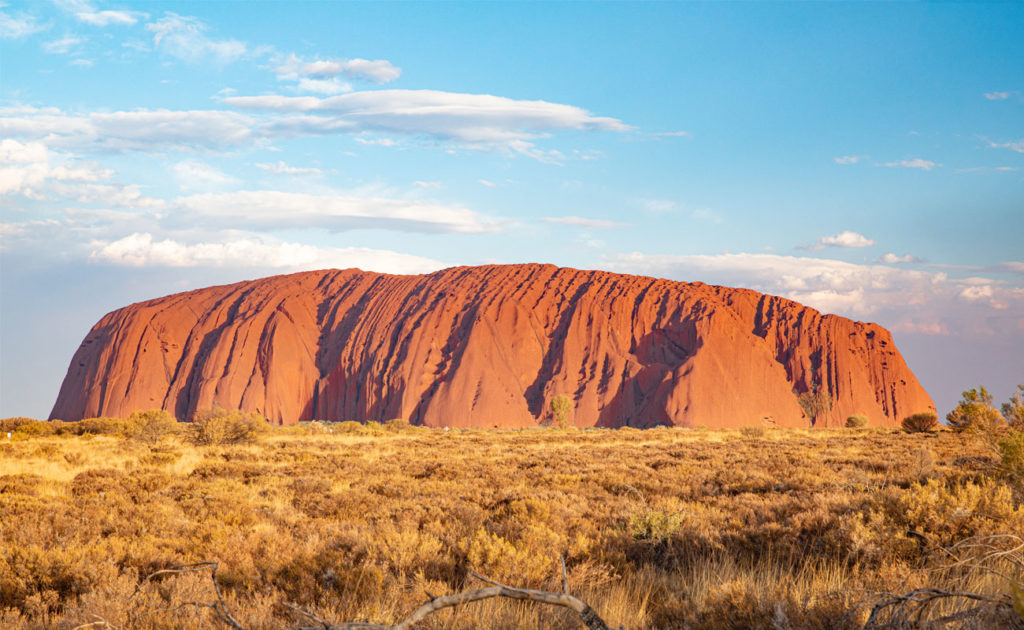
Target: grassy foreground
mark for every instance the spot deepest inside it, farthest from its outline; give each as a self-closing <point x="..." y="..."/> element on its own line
<point x="663" y="528"/>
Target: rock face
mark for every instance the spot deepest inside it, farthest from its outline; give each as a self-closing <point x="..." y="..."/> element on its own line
<point x="487" y="347"/>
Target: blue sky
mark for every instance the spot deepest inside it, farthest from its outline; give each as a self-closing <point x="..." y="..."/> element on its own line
<point x="866" y="159"/>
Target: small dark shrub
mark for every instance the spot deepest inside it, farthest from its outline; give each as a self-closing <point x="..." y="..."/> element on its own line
<point x="752" y="431"/>
<point x="920" y="422"/>
<point x="857" y="421"/>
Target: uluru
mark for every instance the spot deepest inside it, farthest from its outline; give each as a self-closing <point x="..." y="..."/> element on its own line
<point x="487" y="346"/>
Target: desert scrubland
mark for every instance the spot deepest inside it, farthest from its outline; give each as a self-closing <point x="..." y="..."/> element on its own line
<point x="661" y="528"/>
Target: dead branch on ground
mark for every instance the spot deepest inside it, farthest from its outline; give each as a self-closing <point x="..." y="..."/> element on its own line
<point x="587" y="615"/>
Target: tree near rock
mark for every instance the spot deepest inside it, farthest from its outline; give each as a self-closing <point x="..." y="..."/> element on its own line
<point x="814" y="403"/>
<point x="149" y="427"/>
<point x="561" y="406"/>
<point x="974" y="412"/>
<point x="1013" y="411"/>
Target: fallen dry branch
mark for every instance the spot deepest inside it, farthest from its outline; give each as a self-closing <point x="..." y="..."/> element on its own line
<point x="218" y="607"/>
<point x="587" y="615"/>
<point x="910" y="610"/>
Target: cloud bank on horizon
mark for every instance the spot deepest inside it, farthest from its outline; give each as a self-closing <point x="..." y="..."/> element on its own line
<point x="154" y="147"/>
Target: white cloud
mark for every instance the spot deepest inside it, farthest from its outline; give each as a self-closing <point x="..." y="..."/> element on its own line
<point x="673" y="134"/>
<point x="471" y="121"/>
<point x="382" y="142"/>
<point x="893" y="259"/>
<point x="828" y="285"/>
<point x="658" y="206"/>
<point x="1017" y="146"/>
<point x="84" y="63"/>
<point x="324" y="86"/>
<point x="422" y="184"/>
<point x="196" y="175"/>
<point x="33" y="171"/>
<point x="280" y="168"/>
<point x="16" y="26"/>
<point x="272" y="210"/>
<point x="184" y="38"/>
<point x="977" y="292"/>
<point x="142" y="250"/>
<point x="479" y="121"/>
<point x="484" y="182"/>
<point x="855" y="290"/>
<point x="25" y="168"/>
<point x="998" y="96"/>
<point x="921" y="327"/>
<point x="584" y="222"/>
<point x="846" y="238"/>
<point x="847" y="159"/>
<point x="84" y="11"/>
<point x="1012" y="266"/>
<point x="62" y="46"/>
<point x="922" y="164"/>
<point x="148" y="131"/>
<point x="376" y="71"/>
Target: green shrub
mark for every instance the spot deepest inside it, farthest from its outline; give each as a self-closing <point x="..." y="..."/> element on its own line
<point x="397" y="425"/>
<point x="560" y="407"/>
<point x="149" y="427"/>
<point x="211" y="427"/>
<point x="98" y="426"/>
<point x="1011" y="455"/>
<point x="10" y="424"/>
<point x="350" y="426"/>
<point x="857" y="421"/>
<point x="1013" y="411"/>
<point x="920" y="422"/>
<point x="974" y="412"/>
<point x="34" y="428"/>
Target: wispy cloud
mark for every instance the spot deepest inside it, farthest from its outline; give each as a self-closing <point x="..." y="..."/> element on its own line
<point x="18" y="25"/>
<point x="845" y="238"/>
<point x="1017" y="145"/>
<point x="196" y="175"/>
<point x="910" y="298"/>
<point x="485" y="182"/>
<point x="62" y="46"/>
<point x="584" y="222"/>
<point x="32" y="171"/>
<point x="86" y="12"/>
<point x="423" y="184"/>
<point x="144" y="250"/>
<point x="657" y="206"/>
<point x="480" y="121"/>
<point x="893" y="259"/>
<point x="146" y="131"/>
<point x="263" y="210"/>
<point x="184" y="37"/>
<point x="280" y="168"/>
<point x="925" y="165"/>
<point x="998" y="96"/>
<point x="294" y="68"/>
<point x="846" y="159"/>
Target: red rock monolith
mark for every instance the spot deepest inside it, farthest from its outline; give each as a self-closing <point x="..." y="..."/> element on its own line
<point x="488" y="347"/>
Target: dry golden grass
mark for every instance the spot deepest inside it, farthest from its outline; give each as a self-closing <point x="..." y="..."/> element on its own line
<point x="663" y="528"/>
